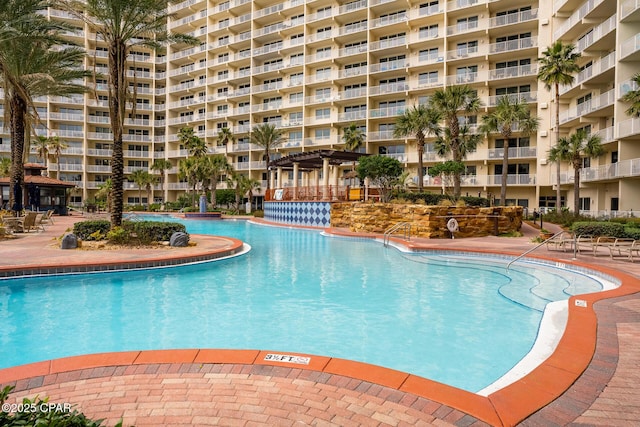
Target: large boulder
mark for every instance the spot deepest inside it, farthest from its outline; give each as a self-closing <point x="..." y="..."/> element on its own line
<point x="69" y="241"/>
<point x="179" y="239"/>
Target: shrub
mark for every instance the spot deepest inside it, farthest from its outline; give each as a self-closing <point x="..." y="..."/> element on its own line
<point x="258" y="214"/>
<point x="433" y="199"/>
<point x="632" y="232"/>
<point x="152" y="231"/>
<point x="118" y="236"/>
<point x="565" y="218"/>
<point x="594" y="228"/>
<point x="86" y="229"/>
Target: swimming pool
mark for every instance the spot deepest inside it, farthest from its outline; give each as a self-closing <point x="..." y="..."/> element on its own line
<point x="454" y="319"/>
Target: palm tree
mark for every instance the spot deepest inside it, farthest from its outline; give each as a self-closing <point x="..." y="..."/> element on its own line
<point x="193" y="171"/>
<point x="216" y="166"/>
<point x="633" y="96"/>
<point x="55" y="147"/>
<point x="243" y="186"/>
<point x="104" y="193"/>
<point x="419" y="121"/>
<point x="353" y="138"/>
<point x="267" y="136"/>
<point x="143" y="178"/>
<point x="30" y="67"/>
<point x="41" y="143"/>
<point x="196" y="146"/>
<point x="509" y="113"/>
<point x="123" y="25"/>
<point x="451" y="101"/>
<point x="558" y="65"/>
<point x="224" y="137"/>
<point x="161" y="165"/>
<point x="574" y="149"/>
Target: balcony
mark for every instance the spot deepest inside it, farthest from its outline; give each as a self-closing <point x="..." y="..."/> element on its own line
<point x="67" y="167"/>
<point x="388" y="43"/>
<point x="514" y="153"/>
<point x="352" y="7"/>
<point x="593" y="71"/>
<point x="387" y="112"/>
<point x="520" y="179"/>
<point x="98" y="169"/>
<point x="527" y="97"/>
<point x="592" y="39"/>
<point x="352" y="116"/>
<point x="630" y="127"/>
<point x="513" y="18"/>
<point x="630" y="49"/>
<point x="388" y="88"/>
<point x="466" y="78"/>
<point x="389" y="20"/>
<point x="388" y="66"/>
<point x="630" y="11"/>
<point x="589" y="107"/>
<point x="466" y="27"/>
<point x="626" y="87"/>
<point x="66" y="117"/>
<point x="467" y="52"/>
<point x="380" y="136"/>
<point x="328" y="13"/>
<point x="513" y="45"/>
<point x="512" y="72"/>
<point x="575" y="19"/>
<point x="463" y="4"/>
<point x="351" y="29"/>
<point x="351" y="72"/>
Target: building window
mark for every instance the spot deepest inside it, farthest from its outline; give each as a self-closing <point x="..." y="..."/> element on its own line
<point x="323" y="113"/>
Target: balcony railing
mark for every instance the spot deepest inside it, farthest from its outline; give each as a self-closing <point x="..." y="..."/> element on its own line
<point x="511" y="72"/>
<point x="598" y="33"/>
<point x="527" y="97"/>
<point x="630" y="46"/>
<point x="598" y="67"/>
<point x="387" y="112"/>
<point x="513" y="45"/>
<point x="513" y="18"/>
<point x="388" y="88"/>
<point x="465" y="27"/>
<point x="604" y="100"/>
<point x="628" y="127"/>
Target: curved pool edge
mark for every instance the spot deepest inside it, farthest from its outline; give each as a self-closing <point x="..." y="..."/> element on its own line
<point x="212" y="248"/>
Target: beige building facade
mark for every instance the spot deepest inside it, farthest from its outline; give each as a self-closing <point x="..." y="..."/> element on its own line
<point x="314" y="67"/>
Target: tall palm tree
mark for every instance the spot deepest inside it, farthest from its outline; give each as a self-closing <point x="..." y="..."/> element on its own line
<point x="452" y="101"/>
<point x="633" y="96"/>
<point x="574" y="149"/>
<point x="558" y="65"/>
<point x="196" y="146"/>
<point x="420" y="122"/>
<point x="243" y="186"/>
<point x="509" y="113"/>
<point x="216" y="166"/>
<point x="161" y="165"/>
<point x="193" y="171"/>
<point x="41" y="144"/>
<point x="267" y="136"/>
<point x="124" y="25"/>
<point x="55" y="147"/>
<point x="225" y="136"/>
<point x="30" y="67"/>
<point x="353" y="138"/>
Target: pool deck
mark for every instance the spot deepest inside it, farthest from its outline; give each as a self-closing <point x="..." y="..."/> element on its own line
<point x="591" y="378"/>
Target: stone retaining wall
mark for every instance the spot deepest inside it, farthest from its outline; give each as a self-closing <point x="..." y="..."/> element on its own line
<point x="426" y="221"/>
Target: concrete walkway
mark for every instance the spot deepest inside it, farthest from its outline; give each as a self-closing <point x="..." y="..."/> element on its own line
<point x="218" y="387"/>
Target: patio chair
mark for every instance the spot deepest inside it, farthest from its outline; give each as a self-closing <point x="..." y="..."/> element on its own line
<point x="47" y="218"/>
<point x="26" y="223"/>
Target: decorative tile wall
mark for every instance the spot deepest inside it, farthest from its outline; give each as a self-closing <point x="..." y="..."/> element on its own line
<point x="310" y="214"/>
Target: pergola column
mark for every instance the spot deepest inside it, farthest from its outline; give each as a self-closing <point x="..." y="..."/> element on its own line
<point x="279" y="177"/>
<point x="336" y="176"/>
<point x="325" y="178"/>
<point x="272" y="178"/>
<point x="296" y="167"/>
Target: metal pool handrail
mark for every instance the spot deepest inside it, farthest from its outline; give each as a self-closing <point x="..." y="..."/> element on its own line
<point x="534" y="248"/>
<point x="389" y="231"/>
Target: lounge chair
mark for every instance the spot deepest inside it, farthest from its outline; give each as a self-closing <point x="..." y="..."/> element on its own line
<point x="562" y="242"/>
<point x="47" y="218"/>
<point x="625" y="247"/>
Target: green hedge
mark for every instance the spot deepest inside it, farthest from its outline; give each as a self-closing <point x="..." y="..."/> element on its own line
<point x="91" y="230"/>
<point x="139" y="231"/>
<point x="592" y="228"/>
<point x="152" y="231"/>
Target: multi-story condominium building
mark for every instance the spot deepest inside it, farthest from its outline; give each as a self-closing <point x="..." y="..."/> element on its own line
<point x="314" y="67"/>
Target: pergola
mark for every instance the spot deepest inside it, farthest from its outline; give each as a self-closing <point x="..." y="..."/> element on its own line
<point x="328" y="161"/>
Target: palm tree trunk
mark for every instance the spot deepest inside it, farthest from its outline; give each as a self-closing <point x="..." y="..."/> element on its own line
<point x="117" y="104"/>
<point x="214" y="187"/>
<point x="505" y="176"/>
<point x="558" y="196"/>
<point x="266" y="156"/>
<point x="576" y="189"/>
<point x="420" y="166"/>
<point x="454" y="129"/>
<point x="16" y="182"/>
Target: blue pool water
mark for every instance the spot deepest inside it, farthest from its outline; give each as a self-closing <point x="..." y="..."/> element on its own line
<point x="460" y="322"/>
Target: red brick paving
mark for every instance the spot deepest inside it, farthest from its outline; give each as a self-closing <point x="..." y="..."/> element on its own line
<point x="162" y="390"/>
